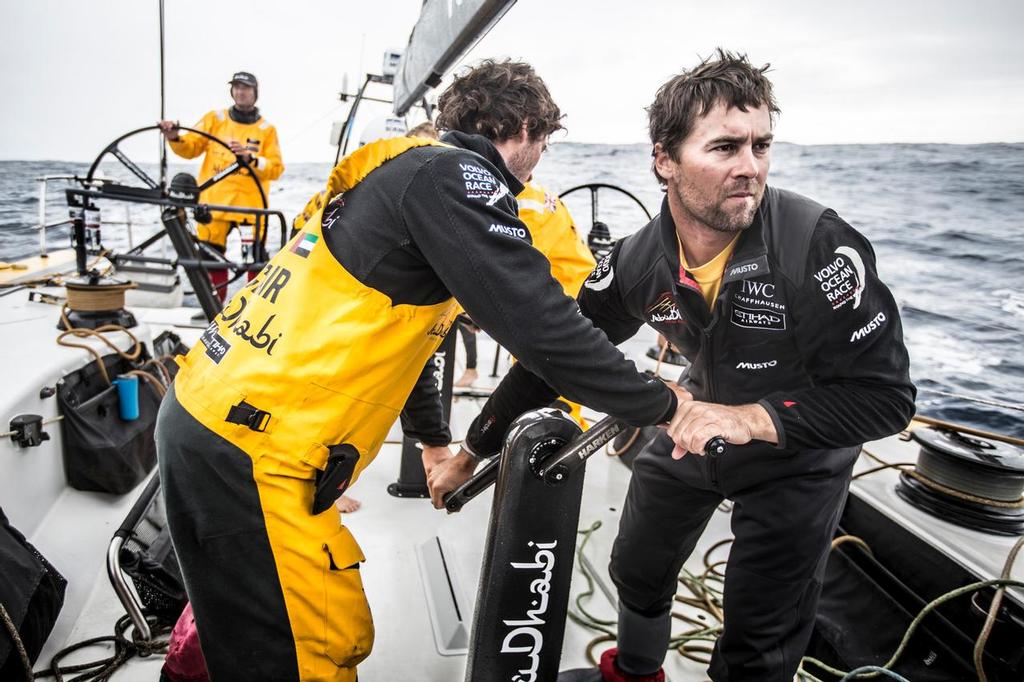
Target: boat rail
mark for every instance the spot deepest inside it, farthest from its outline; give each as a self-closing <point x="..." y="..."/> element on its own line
<point x="42" y="226"/>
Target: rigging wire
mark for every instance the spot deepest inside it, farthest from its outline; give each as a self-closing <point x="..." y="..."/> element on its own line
<point x="974" y="399"/>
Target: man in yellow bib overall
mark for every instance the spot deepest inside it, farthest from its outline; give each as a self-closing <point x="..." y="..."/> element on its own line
<point x="249" y="136"/>
<point x="293" y="387"/>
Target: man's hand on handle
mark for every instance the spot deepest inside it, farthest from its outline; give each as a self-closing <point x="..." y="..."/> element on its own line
<point x="169" y="130"/>
<point x="447" y="474"/>
<point x="241" y="150"/>
<point x="695" y="423"/>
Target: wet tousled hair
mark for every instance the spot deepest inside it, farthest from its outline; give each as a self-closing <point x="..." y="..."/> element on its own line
<point x="495" y="99"/>
<point x="728" y="78"/>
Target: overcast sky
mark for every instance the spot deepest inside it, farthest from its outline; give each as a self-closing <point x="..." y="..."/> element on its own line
<point x="74" y="75"/>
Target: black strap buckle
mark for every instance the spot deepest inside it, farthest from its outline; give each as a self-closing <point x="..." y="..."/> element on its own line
<point x="245" y="414"/>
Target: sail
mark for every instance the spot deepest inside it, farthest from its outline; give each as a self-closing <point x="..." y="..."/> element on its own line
<point x="445" y="31"/>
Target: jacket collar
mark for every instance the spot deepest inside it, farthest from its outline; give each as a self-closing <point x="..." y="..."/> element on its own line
<point x="482" y="146"/>
<point x="239" y="116"/>
<point x="749" y="259"/>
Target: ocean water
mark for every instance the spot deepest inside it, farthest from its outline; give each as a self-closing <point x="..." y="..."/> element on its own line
<point x="946" y="222"/>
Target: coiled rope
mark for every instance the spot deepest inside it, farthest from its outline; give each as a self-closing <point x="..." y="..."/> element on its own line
<point x="706" y="597"/>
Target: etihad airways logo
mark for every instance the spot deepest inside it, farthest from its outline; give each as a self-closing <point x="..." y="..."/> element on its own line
<point x="758" y="318"/>
<point x="664" y="310"/>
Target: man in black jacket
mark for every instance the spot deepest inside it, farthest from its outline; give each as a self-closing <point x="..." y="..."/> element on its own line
<point x="293" y="387"/>
<point x="797" y="358"/>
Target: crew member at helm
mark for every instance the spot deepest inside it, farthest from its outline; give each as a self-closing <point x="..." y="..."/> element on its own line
<point x="249" y="136"/>
<point x="291" y="391"/>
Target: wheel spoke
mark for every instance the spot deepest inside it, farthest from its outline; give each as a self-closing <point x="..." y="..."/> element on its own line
<point x="131" y="165"/>
<point x="220" y="176"/>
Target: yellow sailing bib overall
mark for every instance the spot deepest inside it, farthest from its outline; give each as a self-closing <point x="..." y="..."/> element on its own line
<point x="312" y="359"/>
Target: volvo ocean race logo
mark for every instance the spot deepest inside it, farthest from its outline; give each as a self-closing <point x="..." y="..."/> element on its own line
<point x="602" y="276"/>
<point x="481" y="184"/>
<point x="842" y="280"/>
<point x="525" y="637"/>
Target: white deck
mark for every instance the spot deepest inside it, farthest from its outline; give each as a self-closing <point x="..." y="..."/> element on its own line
<point x="73" y="528"/>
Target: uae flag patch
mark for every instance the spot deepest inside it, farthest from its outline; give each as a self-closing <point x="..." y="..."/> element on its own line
<point x="304" y="244"/>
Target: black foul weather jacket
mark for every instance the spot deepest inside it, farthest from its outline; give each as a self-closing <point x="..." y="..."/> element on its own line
<point x="452" y="229"/>
<point x="802" y="325"/>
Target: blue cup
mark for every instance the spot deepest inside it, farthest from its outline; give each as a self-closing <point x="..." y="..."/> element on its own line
<point x="127" y="397"/>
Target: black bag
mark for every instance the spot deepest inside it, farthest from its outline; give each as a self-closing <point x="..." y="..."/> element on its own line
<point x="147" y="556"/>
<point x="32" y="594"/>
<point x="102" y="452"/>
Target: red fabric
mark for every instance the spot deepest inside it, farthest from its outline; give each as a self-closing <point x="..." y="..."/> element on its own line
<point x="219" y="280"/>
<point x="611" y="673"/>
<point x="184" y="661"/>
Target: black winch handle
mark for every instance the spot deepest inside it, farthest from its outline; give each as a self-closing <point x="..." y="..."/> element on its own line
<point x="715" y="447"/>
<point x="477" y="483"/>
<point x="559" y="467"/>
<point x="555" y="470"/>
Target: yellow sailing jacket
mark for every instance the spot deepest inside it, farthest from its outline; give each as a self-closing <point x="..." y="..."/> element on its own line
<point x="327" y="359"/>
<point x="237" y="189"/>
<point x="554" y="234"/>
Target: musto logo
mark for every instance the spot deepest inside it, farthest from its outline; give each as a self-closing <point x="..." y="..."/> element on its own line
<point x="876" y="322"/>
<point x="525" y="636"/>
<point x="509" y="231"/>
<point x="757" y="365"/>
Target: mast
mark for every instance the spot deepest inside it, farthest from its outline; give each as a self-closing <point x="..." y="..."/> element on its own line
<point x="163" y="143"/>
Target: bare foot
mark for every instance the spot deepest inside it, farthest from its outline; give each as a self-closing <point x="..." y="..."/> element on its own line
<point x="347" y="505"/>
<point x="468" y="378"/>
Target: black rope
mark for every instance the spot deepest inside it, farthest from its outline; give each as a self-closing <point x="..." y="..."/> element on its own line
<point x="102" y="669"/>
<point x="12" y="629"/>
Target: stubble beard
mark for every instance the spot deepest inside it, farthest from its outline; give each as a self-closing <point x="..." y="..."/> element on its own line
<point x="521" y="164"/>
<point x="713" y="214"/>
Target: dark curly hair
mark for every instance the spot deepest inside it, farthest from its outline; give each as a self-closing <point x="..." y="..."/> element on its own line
<point x="728" y="78"/>
<point x="495" y="99"/>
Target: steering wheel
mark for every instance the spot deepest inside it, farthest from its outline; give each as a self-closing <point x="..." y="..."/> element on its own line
<point x="594" y="187"/>
<point x="114" y="150"/>
<point x="240" y="164"/>
<point x="599" y="238"/>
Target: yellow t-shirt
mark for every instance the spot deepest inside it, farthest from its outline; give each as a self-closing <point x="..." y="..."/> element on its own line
<point x="709" y="275"/>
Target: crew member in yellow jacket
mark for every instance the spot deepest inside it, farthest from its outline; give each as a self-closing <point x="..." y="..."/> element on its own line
<point x="290" y="392"/>
<point x="554" y="234"/>
<point x="249" y="136"/>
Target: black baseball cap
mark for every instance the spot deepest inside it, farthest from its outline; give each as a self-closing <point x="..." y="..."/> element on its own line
<point x="245" y="78"/>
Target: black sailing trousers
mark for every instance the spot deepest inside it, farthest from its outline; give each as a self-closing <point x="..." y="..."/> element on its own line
<point x="786" y="506"/>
